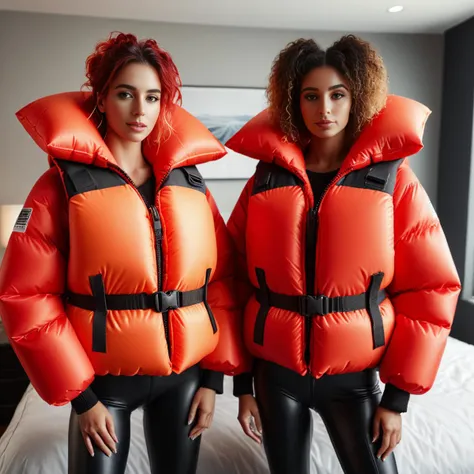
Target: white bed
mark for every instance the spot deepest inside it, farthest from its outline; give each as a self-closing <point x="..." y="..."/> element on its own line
<point x="438" y="436"/>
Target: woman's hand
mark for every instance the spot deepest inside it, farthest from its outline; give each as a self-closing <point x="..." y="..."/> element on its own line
<point x="204" y="402"/>
<point x="97" y="425"/>
<point x="249" y="418"/>
<point x="387" y="423"/>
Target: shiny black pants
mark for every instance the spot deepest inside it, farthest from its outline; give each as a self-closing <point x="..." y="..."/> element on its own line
<point x="166" y="402"/>
<point x="346" y="404"/>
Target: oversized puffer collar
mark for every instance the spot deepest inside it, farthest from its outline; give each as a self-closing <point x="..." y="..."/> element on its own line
<point x="60" y="126"/>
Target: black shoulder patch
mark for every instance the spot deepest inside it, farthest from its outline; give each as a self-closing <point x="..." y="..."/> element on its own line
<point x="80" y="178"/>
<point x="379" y="177"/>
<point x="188" y="177"/>
<point x="269" y="176"/>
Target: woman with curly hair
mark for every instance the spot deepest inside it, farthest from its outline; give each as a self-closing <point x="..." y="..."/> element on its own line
<point x="115" y="289"/>
<point x="344" y="267"/>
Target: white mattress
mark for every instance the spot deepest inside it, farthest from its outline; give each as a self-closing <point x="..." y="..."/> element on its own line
<point x="438" y="433"/>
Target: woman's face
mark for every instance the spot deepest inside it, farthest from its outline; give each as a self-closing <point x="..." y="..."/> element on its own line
<point x="325" y="102"/>
<point x="132" y="103"/>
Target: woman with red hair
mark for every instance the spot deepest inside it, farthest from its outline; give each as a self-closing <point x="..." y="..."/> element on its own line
<point x="123" y="298"/>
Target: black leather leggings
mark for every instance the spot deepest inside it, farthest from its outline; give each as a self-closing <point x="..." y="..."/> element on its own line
<point x="166" y="402"/>
<point x="346" y="403"/>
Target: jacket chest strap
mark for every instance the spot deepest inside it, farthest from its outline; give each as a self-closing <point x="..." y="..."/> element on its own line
<point x="100" y="303"/>
<point x="311" y="306"/>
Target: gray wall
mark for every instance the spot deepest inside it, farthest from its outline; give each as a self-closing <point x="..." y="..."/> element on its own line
<point x="45" y="54"/>
<point x="456" y="167"/>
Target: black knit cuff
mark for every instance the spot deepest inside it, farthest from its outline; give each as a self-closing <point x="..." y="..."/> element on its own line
<point x="243" y="384"/>
<point x="85" y="401"/>
<point x="395" y="399"/>
<point x="213" y="380"/>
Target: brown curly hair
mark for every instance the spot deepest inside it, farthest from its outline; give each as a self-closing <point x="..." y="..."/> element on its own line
<point x="355" y="59"/>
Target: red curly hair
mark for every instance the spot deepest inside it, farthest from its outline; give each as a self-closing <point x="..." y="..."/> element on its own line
<point x="119" y="50"/>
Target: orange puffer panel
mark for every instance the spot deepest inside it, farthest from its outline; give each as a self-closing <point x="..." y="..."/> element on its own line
<point x="109" y="233"/>
<point x="126" y="259"/>
<point x="365" y="236"/>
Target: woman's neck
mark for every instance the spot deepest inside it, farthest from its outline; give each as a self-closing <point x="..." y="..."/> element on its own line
<point x="129" y="158"/>
<point x="324" y="155"/>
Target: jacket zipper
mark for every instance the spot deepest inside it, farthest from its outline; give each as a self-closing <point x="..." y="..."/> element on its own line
<point x="159" y="265"/>
<point x="158" y="233"/>
<point x="158" y="241"/>
<point x="312" y="226"/>
<point x="311" y="233"/>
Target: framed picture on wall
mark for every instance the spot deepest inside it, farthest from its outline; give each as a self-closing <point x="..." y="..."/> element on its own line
<point x="224" y="111"/>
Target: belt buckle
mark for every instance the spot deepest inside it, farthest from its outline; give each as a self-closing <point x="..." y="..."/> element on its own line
<point x="324" y="305"/>
<point x="317" y="305"/>
<point x="166" y="300"/>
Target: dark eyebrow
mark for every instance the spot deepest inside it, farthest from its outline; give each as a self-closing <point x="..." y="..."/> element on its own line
<point x="128" y="86"/>
<point x="337" y="86"/>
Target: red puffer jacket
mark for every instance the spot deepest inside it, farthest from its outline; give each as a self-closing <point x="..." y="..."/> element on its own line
<point x="96" y="282"/>
<point x="377" y="287"/>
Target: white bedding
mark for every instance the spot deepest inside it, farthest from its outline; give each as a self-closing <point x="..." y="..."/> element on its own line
<point x="438" y="433"/>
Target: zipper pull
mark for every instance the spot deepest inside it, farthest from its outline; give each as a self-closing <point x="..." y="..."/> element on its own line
<point x="156" y="222"/>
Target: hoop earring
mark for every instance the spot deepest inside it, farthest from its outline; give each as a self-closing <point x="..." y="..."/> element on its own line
<point x="101" y="116"/>
<point x="92" y="113"/>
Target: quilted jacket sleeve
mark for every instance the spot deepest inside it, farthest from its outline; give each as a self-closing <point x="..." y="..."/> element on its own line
<point x="230" y="355"/>
<point x="32" y="285"/>
<point x="237" y="225"/>
<point x="424" y="290"/>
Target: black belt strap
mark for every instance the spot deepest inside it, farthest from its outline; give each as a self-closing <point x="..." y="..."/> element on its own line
<point x="209" y="311"/>
<point x="264" y="298"/>
<point x="310" y="306"/>
<point x="378" y="334"/>
<point x="318" y="305"/>
<point x="161" y="301"/>
<point x="100" y="313"/>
